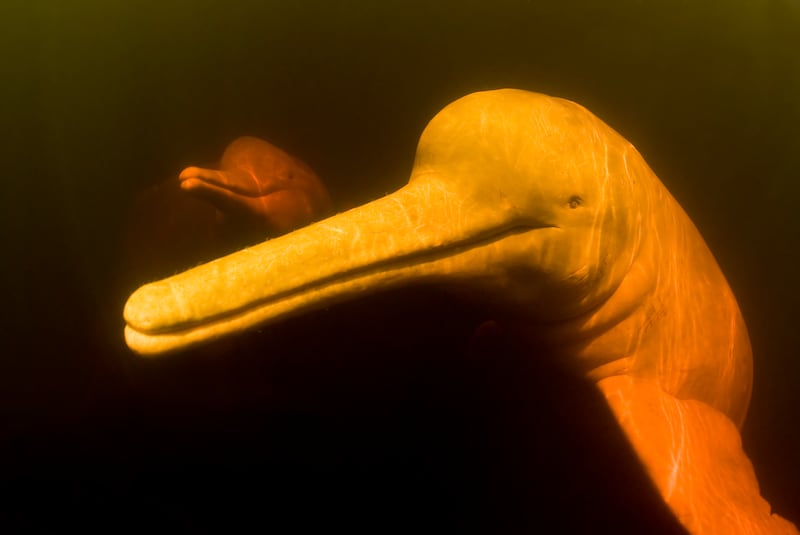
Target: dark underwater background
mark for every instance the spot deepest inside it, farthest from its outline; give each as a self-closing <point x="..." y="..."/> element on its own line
<point x="341" y="418"/>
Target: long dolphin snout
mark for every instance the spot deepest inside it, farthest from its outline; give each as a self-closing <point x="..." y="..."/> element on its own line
<point x="392" y="241"/>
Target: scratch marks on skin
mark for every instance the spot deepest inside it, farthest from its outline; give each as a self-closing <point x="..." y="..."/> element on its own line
<point x="678" y="434"/>
<point x="631" y="182"/>
<point x="256" y="184"/>
<point x="603" y="198"/>
<point x="483" y="124"/>
<point x="625" y="161"/>
<point x="336" y="235"/>
<point x="404" y="212"/>
<point x="729" y="366"/>
<point x="179" y="299"/>
<point x="332" y="229"/>
<point x="451" y="205"/>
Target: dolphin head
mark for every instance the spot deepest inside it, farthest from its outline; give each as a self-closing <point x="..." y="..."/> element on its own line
<point x="249" y="167"/>
<point x="526" y="203"/>
<point x="552" y="174"/>
<point x="259" y="189"/>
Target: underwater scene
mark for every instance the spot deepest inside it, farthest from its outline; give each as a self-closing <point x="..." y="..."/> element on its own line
<point x="483" y="267"/>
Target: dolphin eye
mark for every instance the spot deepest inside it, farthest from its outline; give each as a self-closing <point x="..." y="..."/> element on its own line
<point x="575" y="201"/>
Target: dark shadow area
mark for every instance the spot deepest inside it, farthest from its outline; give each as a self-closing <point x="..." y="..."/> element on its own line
<point x="378" y="416"/>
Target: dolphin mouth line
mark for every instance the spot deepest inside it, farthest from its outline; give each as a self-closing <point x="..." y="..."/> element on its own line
<point x="237" y="190"/>
<point x="432" y="254"/>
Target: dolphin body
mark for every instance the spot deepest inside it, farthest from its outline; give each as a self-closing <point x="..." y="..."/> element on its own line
<point x="536" y="210"/>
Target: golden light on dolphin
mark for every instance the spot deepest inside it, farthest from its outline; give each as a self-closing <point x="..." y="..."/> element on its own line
<point x="533" y="208"/>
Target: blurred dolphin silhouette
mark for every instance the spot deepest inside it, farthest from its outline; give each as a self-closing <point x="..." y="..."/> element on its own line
<point x="260" y="185"/>
<point x="257" y="191"/>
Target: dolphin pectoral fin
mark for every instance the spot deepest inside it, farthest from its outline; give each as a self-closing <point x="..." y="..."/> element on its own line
<point x="694" y="455"/>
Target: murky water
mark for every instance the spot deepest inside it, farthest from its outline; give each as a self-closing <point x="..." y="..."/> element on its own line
<point x="103" y="100"/>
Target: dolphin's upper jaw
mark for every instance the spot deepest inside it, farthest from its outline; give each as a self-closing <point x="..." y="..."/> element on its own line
<point x="193" y="179"/>
<point x="463" y="260"/>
